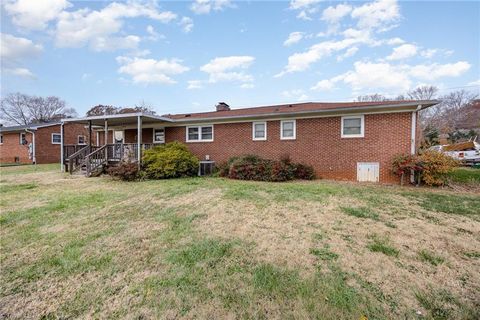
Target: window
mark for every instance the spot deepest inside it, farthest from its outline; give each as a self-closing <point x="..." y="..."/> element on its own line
<point x="81" y="140"/>
<point x="159" y="135"/>
<point x="1" y="138"/>
<point x="23" y="139"/>
<point x="259" y="130"/>
<point x="287" y="130"/>
<point x="56" y="138"/>
<point x="200" y="133"/>
<point x="353" y="127"/>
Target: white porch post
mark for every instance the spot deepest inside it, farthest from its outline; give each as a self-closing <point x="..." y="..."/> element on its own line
<point x="139" y="141"/>
<point x="62" y="164"/>
<point x="106" y="132"/>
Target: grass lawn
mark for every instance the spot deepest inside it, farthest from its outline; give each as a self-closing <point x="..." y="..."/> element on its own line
<point x="75" y="247"/>
<point x="465" y="175"/>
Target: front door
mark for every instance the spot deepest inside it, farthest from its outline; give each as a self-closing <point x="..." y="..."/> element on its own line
<point x="118" y="140"/>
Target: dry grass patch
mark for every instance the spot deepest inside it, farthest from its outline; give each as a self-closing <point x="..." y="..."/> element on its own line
<point x="215" y="248"/>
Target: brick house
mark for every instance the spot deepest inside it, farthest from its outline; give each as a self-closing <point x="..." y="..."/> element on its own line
<point x="345" y="141"/>
<point x="37" y="143"/>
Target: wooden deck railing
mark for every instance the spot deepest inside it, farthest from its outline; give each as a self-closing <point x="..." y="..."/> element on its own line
<point x="93" y="157"/>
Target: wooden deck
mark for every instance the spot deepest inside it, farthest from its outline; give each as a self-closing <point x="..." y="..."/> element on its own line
<point x="90" y="160"/>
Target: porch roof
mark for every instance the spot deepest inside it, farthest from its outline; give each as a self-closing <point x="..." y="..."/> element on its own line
<point x="120" y="119"/>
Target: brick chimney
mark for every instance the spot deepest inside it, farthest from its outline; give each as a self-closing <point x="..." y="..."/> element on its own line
<point x="222" y="106"/>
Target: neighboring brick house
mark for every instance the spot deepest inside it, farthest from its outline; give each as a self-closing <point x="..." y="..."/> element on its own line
<point x="346" y="141"/>
<point x="38" y="143"/>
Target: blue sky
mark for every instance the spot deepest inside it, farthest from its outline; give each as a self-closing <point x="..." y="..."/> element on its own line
<point x="186" y="56"/>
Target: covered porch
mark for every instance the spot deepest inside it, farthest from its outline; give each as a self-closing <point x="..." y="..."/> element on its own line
<point x="111" y="139"/>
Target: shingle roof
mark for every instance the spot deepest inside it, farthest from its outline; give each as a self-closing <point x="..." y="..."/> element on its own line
<point x="285" y="109"/>
<point x="32" y="126"/>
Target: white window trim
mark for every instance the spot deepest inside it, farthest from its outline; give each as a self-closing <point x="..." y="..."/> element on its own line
<point x="56" y="133"/>
<point x="294" y="130"/>
<point x="253" y="130"/>
<point x="84" y="139"/>
<point x="20" y="137"/>
<point x="1" y="138"/>
<point x="199" y="133"/>
<point x="362" y="127"/>
<point x="153" y="138"/>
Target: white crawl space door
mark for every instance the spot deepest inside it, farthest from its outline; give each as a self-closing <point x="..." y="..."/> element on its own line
<point x="368" y="171"/>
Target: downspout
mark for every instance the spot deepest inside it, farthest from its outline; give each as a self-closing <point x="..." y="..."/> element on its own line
<point x="413" y="145"/>
<point x="34" y="158"/>
<point x="62" y="161"/>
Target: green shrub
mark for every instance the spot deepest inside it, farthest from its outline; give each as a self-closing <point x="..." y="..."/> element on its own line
<point x="252" y="167"/>
<point x="126" y="171"/>
<point x="172" y="160"/>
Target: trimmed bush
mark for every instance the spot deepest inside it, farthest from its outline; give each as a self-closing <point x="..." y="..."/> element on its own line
<point x="252" y="167"/>
<point x="126" y="171"/>
<point x="172" y="160"/>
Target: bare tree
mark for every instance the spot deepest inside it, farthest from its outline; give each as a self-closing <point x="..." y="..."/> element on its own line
<point x="371" y="98"/>
<point x="423" y="93"/>
<point x="454" y="108"/>
<point x="22" y="109"/>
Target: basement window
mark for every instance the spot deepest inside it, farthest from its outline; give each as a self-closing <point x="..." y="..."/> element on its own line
<point x="353" y="127"/>
<point x="56" y="138"/>
<point x="200" y="133"/>
<point x="259" y="130"/>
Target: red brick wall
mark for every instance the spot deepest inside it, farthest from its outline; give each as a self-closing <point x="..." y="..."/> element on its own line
<point x="45" y="151"/>
<point x="12" y="148"/>
<point x="318" y="143"/>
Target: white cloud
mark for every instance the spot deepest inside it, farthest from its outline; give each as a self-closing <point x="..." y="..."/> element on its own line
<point x="428" y="53"/>
<point x="324" y="85"/>
<point x="195" y="84"/>
<point x="403" y="52"/>
<point x="376" y="75"/>
<point x="153" y="34"/>
<point x="293" y="38"/>
<point x="295" y="94"/>
<point x="92" y="27"/>
<point x="474" y="83"/>
<point x="395" y="41"/>
<point x="373" y="76"/>
<point x="306" y="7"/>
<point x="301" y="4"/>
<point x="34" y="14"/>
<point x="228" y="69"/>
<point x="380" y="15"/>
<point x="435" y="71"/>
<point x="15" y="49"/>
<point x="187" y="24"/>
<point x="147" y="71"/>
<point x="206" y="6"/>
<point x="247" y="86"/>
<point x="348" y="53"/>
<point x="20" y="72"/>
<point x="302" y="61"/>
<point x="13" y="53"/>
<point x="335" y="14"/>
